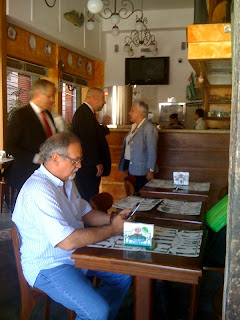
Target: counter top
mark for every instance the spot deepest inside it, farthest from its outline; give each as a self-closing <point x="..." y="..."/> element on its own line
<point x="127" y="128"/>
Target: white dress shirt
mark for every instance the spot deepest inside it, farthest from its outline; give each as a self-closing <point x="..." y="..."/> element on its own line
<point x="45" y="216"/>
<point x="200" y="124"/>
<point x="129" y="137"/>
<point x="38" y="111"/>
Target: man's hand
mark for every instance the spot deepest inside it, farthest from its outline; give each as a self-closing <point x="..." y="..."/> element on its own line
<point x="150" y="175"/>
<point x="100" y="169"/>
<point x="119" y="220"/>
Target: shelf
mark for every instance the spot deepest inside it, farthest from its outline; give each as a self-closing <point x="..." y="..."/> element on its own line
<point x="218" y="118"/>
<point x="213" y="86"/>
<point x="219" y="102"/>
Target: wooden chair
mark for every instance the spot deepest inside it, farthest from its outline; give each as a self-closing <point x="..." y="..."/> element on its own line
<point x="130" y="183"/>
<point x="30" y="296"/>
<point x="5" y="192"/>
<point x="102" y="201"/>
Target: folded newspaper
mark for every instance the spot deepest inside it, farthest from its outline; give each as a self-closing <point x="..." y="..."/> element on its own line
<point x="180" y="207"/>
<point x="131" y="201"/>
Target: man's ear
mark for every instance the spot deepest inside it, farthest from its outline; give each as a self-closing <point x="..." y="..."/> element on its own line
<point x="55" y="158"/>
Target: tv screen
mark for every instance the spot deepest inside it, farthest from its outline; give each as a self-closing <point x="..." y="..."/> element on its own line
<point x="147" y="70"/>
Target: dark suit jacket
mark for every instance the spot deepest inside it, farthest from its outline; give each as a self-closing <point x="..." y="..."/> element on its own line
<point x="92" y="135"/>
<point x="25" y="134"/>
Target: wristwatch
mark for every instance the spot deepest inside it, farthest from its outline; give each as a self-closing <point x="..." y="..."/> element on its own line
<point x="151" y="170"/>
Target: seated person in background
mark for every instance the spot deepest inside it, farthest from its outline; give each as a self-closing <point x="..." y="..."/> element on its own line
<point x="200" y="123"/>
<point x="139" y="149"/>
<point x="50" y="216"/>
<point x="174" y="122"/>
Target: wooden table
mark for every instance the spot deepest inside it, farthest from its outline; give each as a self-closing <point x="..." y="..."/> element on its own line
<point x="145" y="266"/>
<point x="159" y="193"/>
<point x="5" y="163"/>
<point x="154" y="215"/>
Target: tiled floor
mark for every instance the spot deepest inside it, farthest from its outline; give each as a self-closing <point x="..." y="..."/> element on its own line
<point x="171" y="299"/>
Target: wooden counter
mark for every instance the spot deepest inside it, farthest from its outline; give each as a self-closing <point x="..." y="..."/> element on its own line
<point x="202" y="153"/>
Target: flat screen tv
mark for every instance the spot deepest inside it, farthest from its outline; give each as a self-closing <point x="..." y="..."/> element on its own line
<point x="147" y="70"/>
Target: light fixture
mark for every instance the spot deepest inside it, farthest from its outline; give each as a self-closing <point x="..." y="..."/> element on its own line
<point x="140" y="36"/>
<point x="131" y="52"/>
<point x="126" y="47"/>
<point x="90" y="24"/>
<point x="107" y="9"/>
<point x="95" y="6"/>
<point x="115" y="31"/>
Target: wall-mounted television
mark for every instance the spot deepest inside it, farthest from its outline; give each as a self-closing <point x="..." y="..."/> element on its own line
<point x="147" y="70"/>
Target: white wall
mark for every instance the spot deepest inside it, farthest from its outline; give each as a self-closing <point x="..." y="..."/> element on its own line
<point x="35" y="16"/>
<point x="169" y="41"/>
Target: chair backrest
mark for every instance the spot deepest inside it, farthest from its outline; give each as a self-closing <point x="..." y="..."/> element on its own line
<point x="130" y="183"/>
<point x="16" y="247"/>
<point x="102" y="201"/>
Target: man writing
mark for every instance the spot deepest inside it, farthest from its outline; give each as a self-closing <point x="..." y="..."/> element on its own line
<point x="97" y="161"/>
<point x="50" y="217"/>
<point x="28" y="128"/>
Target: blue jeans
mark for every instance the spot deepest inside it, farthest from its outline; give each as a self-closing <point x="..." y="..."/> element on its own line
<point x="70" y="287"/>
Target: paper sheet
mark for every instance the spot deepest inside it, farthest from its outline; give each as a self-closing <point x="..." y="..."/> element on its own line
<point x="168" y="184"/>
<point x="130" y="202"/>
<point x="180" y="207"/>
<point x="169" y="241"/>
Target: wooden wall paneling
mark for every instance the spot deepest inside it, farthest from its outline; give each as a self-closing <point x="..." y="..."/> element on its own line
<point x="20" y="49"/>
<point x="54" y="74"/>
<point x="3" y="75"/>
<point x="208" y="32"/>
<point x="74" y="69"/>
<point x="98" y="80"/>
<point x="203" y="155"/>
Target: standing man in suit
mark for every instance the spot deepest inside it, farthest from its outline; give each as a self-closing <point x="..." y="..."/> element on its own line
<point x="28" y="128"/>
<point x="96" y="155"/>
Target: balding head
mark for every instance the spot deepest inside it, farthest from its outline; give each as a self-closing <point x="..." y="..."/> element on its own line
<point x="95" y="97"/>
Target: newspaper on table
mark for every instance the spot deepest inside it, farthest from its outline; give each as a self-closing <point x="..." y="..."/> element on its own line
<point x="169" y="241"/>
<point x="168" y="184"/>
<point x="180" y="207"/>
<point x="131" y="201"/>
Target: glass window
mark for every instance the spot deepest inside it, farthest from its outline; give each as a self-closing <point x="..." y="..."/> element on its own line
<point x="18" y="87"/>
<point x="71" y="97"/>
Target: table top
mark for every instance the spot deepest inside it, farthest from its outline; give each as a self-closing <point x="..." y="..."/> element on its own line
<point x="143" y="264"/>
<point x="152" y="215"/>
<point x="4" y="163"/>
<point x="150" y="192"/>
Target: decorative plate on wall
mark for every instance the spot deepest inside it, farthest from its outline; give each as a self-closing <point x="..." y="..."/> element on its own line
<point x="48" y="49"/>
<point x="12" y="33"/>
<point x="32" y="42"/>
<point x="89" y="68"/>
<point x="69" y="59"/>
<point x="79" y="63"/>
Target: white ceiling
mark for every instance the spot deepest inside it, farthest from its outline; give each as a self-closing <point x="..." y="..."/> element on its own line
<point x="167" y="4"/>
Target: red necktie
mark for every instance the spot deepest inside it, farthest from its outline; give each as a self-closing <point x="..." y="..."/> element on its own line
<point x="46" y="125"/>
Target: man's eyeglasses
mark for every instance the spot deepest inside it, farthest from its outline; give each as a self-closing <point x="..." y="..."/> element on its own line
<point x="74" y="161"/>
